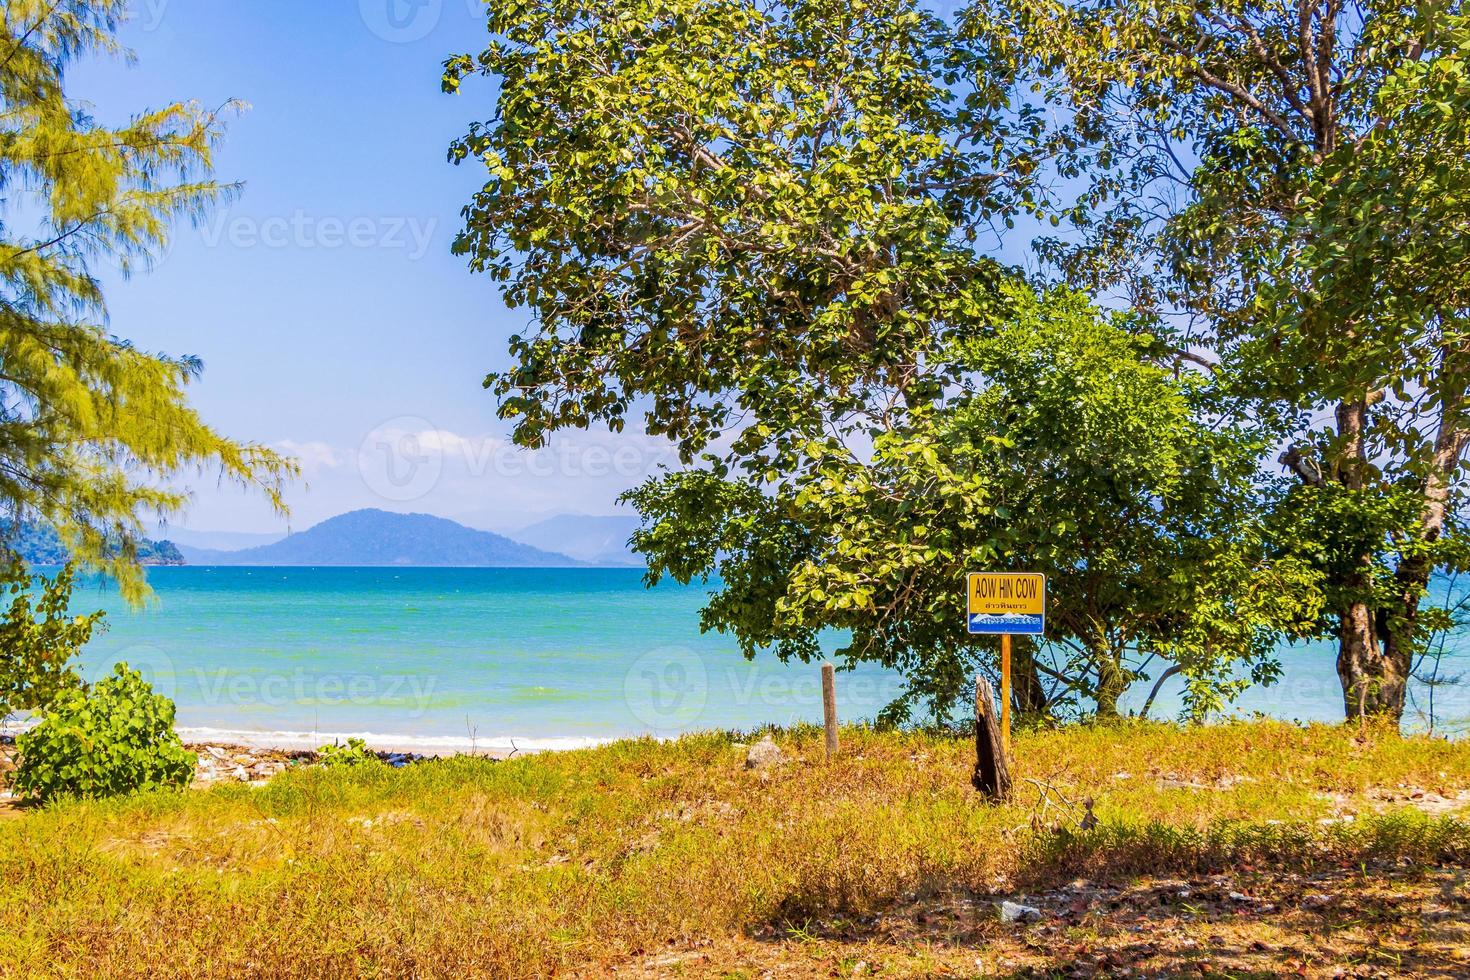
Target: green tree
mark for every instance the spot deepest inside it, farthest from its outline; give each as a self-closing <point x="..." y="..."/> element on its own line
<point x="91" y="428"/>
<point x="1072" y="453"/>
<point x="758" y="225"/>
<point x="1286" y="184"/>
<point x="740" y="220"/>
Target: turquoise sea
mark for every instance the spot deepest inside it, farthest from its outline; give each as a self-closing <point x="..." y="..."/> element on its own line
<point x="449" y="657"/>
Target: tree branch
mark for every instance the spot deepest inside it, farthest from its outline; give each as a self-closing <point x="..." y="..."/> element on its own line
<point x="1143" y="712"/>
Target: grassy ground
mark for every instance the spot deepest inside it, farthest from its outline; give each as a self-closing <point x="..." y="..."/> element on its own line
<point x="1243" y="850"/>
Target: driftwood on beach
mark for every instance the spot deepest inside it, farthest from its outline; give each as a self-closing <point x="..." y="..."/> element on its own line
<point x="992" y="773"/>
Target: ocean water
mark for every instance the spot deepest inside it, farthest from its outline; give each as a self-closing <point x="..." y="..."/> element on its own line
<point x="450" y="656"/>
<point x="537" y="658"/>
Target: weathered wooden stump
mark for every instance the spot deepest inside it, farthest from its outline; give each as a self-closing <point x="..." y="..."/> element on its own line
<point x="992" y="771"/>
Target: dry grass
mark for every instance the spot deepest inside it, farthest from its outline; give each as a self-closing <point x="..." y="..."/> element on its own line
<point x="672" y="858"/>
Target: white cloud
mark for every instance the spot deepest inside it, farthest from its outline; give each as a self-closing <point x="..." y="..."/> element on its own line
<point x="311" y="455"/>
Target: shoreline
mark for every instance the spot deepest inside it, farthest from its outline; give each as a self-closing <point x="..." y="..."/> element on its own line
<point x="433" y="746"/>
<point x="288" y="743"/>
<point x="255" y="757"/>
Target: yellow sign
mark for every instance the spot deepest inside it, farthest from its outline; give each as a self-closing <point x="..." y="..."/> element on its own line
<point x="1007" y="602"/>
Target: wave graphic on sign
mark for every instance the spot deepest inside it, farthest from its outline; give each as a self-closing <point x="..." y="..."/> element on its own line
<point x="1029" y="623"/>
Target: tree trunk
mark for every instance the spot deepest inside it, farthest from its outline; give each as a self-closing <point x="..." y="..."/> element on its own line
<point x="1372" y="684"/>
<point x="1029" y="695"/>
<point x="1400" y="623"/>
<point x="1112" y="681"/>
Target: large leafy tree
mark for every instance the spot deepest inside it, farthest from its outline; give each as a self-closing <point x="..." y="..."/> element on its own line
<point x="1069" y="451"/>
<point x="740" y="220"/>
<point x="92" y="428"/>
<point x="755" y="225"/>
<point x="1283" y="183"/>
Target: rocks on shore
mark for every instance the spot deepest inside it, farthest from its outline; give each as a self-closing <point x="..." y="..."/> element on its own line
<point x="242" y="764"/>
<point x="235" y="763"/>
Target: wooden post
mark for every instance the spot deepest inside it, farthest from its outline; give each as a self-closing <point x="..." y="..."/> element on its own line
<point x="992" y="772"/>
<point x="1005" y="692"/>
<point x="829" y="708"/>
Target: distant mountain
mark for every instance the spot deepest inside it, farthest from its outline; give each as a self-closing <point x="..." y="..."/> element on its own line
<point x="594" y="540"/>
<point x="39" y="544"/>
<point x="188" y="539"/>
<point x="202" y="556"/>
<point x="378" y="537"/>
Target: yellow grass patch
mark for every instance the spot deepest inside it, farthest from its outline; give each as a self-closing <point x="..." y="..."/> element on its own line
<point x="674" y="858"/>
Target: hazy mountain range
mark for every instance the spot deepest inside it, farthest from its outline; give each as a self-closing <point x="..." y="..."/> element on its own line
<point x="594" y="540"/>
<point x="376" y="537"/>
<point x="186" y="538"/>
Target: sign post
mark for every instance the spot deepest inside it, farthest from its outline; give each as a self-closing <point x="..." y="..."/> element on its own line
<point x="1005" y="692"/>
<point x="1006" y="603"/>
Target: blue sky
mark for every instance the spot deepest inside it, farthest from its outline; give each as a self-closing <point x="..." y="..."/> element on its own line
<point x="331" y="318"/>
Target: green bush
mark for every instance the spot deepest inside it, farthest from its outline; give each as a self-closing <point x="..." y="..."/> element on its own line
<point x="39" y="637"/>
<point x="354" y="753"/>
<point x="117" y="737"/>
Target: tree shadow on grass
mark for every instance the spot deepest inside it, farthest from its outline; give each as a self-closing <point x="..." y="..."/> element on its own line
<point x="1385" y="902"/>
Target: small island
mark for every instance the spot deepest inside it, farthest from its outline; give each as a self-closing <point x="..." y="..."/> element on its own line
<point x="39" y="545"/>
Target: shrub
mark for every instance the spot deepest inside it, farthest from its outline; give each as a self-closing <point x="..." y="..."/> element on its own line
<point x="39" y="638"/>
<point x="354" y="753"/>
<point x="118" y="737"/>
